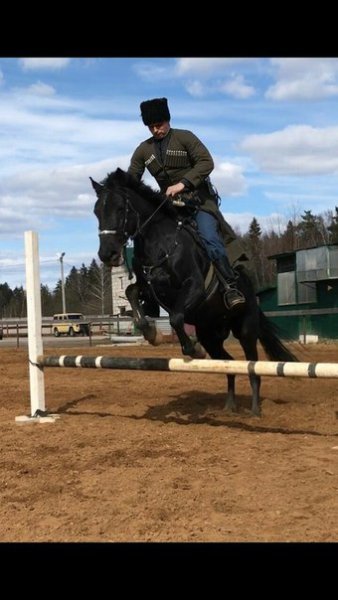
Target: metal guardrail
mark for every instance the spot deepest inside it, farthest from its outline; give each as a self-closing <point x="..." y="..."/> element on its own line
<point x="97" y="326"/>
<point x="114" y="325"/>
<point x="12" y="328"/>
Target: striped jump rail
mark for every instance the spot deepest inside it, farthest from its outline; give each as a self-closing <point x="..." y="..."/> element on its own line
<point x="230" y="367"/>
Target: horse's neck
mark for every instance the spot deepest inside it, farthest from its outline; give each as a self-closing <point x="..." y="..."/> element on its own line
<point x="151" y="216"/>
<point x="143" y="206"/>
<point x="157" y="231"/>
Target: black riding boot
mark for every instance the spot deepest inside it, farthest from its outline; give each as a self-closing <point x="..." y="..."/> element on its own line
<point x="233" y="298"/>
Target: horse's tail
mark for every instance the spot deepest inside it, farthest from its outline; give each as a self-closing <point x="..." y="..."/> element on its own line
<point x="269" y="338"/>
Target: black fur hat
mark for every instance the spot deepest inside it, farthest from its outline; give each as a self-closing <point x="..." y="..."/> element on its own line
<point x="155" y="111"/>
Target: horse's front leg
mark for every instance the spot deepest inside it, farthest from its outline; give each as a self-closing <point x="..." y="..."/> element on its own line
<point x="146" y="326"/>
<point x="190" y="347"/>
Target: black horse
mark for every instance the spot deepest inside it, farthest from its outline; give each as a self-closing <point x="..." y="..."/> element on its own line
<point x="172" y="267"/>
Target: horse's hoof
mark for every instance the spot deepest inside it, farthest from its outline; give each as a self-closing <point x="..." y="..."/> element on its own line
<point x="158" y="340"/>
<point x="155" y="338"/>
<point x="231" y="408"/>
<point x="151" y="334"/>
<point x="256" y="413"/>
<point x="199" y="351"/>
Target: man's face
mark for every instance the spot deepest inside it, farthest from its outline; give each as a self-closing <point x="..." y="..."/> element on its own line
<point x="159" y="130"/>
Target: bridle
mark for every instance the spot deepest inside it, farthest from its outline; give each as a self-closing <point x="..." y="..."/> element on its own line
<point x="129" y="207"/>
<point x="147" y="269"/>
<point x="125" y="220"/>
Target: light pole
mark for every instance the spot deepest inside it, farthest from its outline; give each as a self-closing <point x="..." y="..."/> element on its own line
<point x="63" y="283"/>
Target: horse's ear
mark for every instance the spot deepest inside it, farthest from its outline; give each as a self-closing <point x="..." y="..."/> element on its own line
<point x="120" y="175"/>
<point x="97" y="186"/>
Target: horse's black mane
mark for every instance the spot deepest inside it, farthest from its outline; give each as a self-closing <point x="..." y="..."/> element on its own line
<point x="124" y="179"/>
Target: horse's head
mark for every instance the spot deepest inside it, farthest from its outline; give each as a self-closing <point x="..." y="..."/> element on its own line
<point x="112" y="211"/>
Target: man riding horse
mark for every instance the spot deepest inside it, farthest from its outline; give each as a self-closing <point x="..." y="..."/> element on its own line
<point x="181" y="165"/>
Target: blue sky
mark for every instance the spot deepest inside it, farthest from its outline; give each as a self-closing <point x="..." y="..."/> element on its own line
<point x="270" y="124"/>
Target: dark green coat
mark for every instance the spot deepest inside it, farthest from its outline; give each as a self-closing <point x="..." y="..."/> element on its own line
<point x="186" y="157"/>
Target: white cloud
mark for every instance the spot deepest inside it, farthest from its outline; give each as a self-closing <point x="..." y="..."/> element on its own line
<point x="237" y="88"/>
<point x="304" y="78"/>
<point x="295" y="78"/>
<point x="64" y="191"/>
<point x="45" y="129"/>
<point x="295" y="150"/>
<point x="49" y="147"/>
<point x="205" y="71"/>
<point x="29" y="64"/>
<point x="198" y="75"/>
<point x="206" y="66"/>
<point x="195" y="88"/>
<point x="149" y="71"/>
<point x="41" y="89"/>
<point x="229" y="180"/>
<point x="234" y="87"/>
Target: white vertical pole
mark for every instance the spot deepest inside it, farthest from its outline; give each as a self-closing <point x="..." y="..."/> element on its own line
<point x="35" y="346"/>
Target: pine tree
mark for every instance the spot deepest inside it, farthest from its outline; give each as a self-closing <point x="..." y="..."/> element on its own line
<point x="310" y="230"/>
<point x="255" y="247"/>
<point x="6" y="296"/>
<point x="289" y="238"/>
<point x="47" y="301"/>
<point x="333" y="227"/>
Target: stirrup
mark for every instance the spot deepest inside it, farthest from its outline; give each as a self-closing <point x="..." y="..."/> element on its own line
<point x="237" y="302"/>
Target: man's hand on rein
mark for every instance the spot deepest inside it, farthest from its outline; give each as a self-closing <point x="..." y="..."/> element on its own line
<point x="172" y="190"/>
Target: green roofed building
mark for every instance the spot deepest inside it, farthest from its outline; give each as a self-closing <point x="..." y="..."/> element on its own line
<point x="304" y="303"/>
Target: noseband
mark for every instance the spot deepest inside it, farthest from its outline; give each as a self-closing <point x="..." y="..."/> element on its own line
<point x="107" y="231"/>
<point x="125" y="219"/>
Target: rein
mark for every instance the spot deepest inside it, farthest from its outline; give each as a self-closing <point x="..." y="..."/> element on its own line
<point x="139" y="229"/>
